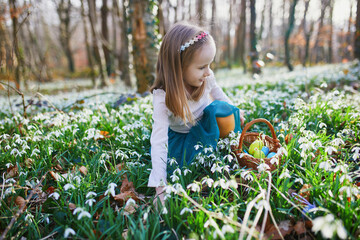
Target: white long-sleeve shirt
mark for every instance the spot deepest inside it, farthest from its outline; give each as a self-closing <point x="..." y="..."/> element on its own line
<point x="163" y="119"/>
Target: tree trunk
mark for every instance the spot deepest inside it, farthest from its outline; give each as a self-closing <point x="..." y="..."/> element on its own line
<point x="143" y="42"/>
<point x="330" y="43"/>
<point x="324" y="4"/>
<point x="228" y="57"/>
<point x="346" y="49"/>
<point x="20" y="61"/>
<point x="270" y="36"/>
<point x="99" y="54"/>
<point x="160" y="17"/>
<point x="105" y="35"/>
<point x="6" y="62"/>
<point x="200" y="11"/>
<point x="253" y="39"/>
<point x="63" y="9"/>
<point x="306" y="34"/>
<point x="214" y="31"/>
<point x="242" y="35"/>
<point x="124" y="62"/>
<point x="288" y="33"/>
<point x="262" y="22"/>
<point x="357" y="33"/>
<point x="87" y="45"/>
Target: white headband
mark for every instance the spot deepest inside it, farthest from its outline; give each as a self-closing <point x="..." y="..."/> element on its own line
<point x="192" y="41"/>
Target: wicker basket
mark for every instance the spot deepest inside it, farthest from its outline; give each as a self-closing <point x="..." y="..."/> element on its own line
<point x="247" y="138"/>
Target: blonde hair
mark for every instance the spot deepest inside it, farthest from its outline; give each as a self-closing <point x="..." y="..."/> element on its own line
<point x="171" y="65"/>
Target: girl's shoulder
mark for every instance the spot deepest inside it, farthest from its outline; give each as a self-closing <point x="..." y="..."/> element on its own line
<point x="158" y="92"/>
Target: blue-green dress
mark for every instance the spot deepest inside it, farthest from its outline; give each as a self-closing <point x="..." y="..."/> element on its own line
<point x="181" y="146"/>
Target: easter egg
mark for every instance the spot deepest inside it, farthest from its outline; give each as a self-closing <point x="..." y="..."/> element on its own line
<point x="226" y="125"/>
<point x="266" y="150"/>
<point x="256" y="144"/>
<point x="259" y="154"/>
<point x="271" y="154"/>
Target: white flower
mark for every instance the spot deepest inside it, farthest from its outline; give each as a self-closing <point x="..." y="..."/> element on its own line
<point x="356" y="151"/>
<point x="184" y="210"/>
<point x="227" y="228"/>
<point x="263" y="167"/>
<point x="349" y="190"/>
<point x="285" y="174"/>
<point x="91" y="194"/>
<point x="186" y="171"/>
<point x="345" y="177"/>
<point x="275" y="159"/>
<point x="326" y="165"/>
<point x="68" y="185"/>
<point x="328" y="225"/>
<point x="9" y="165"/>
<point x="247" y="175"/>
<point x="164" y="211"/>
<point x="174" y="178"/>
<point x="111" y="189"/>
<point x="197" y="146"/>
<point x="69" y="231"/>
<point x="194" y="187"/>
<point x="55" y="195"/>
<point x="90" y="201"/>
<point x="172" y="161"/>
<point x="330" y="150"/>
<point x="322" y="125"/>
<point x="300" y="180"/>
<point x="208" y="181"/>
<point x="177" y="171"/>
<point x="229" y="157"/>
<point x="82" y="214"/>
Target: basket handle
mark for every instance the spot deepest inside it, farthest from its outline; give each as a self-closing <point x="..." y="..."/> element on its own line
<point x="249" y="124"/>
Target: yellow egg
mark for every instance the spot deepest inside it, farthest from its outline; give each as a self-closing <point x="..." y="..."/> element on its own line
<point x="259" y="154"/>
<point x="256" y="144"/>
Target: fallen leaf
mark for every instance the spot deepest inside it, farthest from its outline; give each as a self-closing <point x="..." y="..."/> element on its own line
<point x="130" y="208"/>
<point x="300" y="227"/>
<point x="72" y="206"/>
<point x="288" y="138"/>
<point x="55" y="175"/>
<point x="305" y="192"/>
<point x="285" y="228"/>
<point x="50" y="190"/>
<point x="28" y="162"/>
<point x="20" y="201"/>
<point x="12" y="171"/>
<point x="126" y="185"/>
<point x="124" y="196"/>
<point x="83" y="170"/>
<point x="121" y="166"/>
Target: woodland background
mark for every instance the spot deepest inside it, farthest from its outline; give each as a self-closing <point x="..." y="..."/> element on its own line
<point x="111" y="41"/>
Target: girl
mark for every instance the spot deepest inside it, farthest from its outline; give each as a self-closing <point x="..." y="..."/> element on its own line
<point x="183" y="93"/>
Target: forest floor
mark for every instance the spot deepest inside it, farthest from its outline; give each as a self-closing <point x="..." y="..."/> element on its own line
<point x="77" y="163"/>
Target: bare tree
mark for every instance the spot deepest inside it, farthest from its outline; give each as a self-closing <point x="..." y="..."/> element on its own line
<point x="241" y="36"/>
<point x="87" y="45"/>
<point x="357" y="33"/>
<point x="254" y="55"/>
<point x="288" y="33"/>
<point x="307" y="33"/>
<point x="63" y="8"/>
<point x="20" y="65"/>
<point x="143" y="42"/>
<point x="331" y="32"/>
<point x="324" y="5"/>
<point x="6" y="61"/>
<point x="99" y="54"/>
<point x="200" y="11"/>
<point x="105" y="35"/>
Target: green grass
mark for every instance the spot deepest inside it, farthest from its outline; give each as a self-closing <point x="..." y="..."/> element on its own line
<point x="210" y="199"/>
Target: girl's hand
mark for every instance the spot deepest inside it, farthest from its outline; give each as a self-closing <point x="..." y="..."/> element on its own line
<point x="160" y="194"/>
<point x="242" y="118"/>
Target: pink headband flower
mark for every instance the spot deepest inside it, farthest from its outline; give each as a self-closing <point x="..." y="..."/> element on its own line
<point x="192" y="41"/>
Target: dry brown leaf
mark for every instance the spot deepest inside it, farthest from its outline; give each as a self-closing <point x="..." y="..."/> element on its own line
<point x="288" y="138"/>
<point x="130" y="209"/>
<point x="12" y="171"/>
<point x="120" y="167"/>
<point x="300" y="227"/>
<point x="20" y="201"/>
<point x="126" y="185"/>
<point x="285" y="228"/>
<point x="55" y="175"/>
<point x="28" y="162"/>
<point x="72" y="206"/>
<point x="305" y="192"/>
<point x="83" y="170"/>
<point x="124" y="196"/>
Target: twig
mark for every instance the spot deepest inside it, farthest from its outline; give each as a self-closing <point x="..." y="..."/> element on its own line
<point x="218" y="216"/>
<point x="18" y="92"/>
<point x="20" y="211"/>
<point x="42" y="96"/>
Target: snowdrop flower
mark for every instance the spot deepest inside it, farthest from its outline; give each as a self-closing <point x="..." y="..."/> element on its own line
<point x="349" y="190"/>
<point x="35" y="152"/>
<point x="330" y="150"/>
<point x="29" y="217"/>
<point x="111" y="189"/>
<point x="341" y="168"/>
<point x="197" y="146"/>
<point x="326" y="165"/>
<point x="174" y="178"/>
<point x="90" y="202"/>
<point x="55" y="195"/>
<point x="83" y="213"/>
<point x="275" y="159"/>
<point x="322" y="125"/>
<point x="282" y="151"/>
<point x="186" y="171"/>
<point x="263" y="167"/>
<point x="164" y="211"/>
<point x="68" y="185"/>
<point x="229" y="157"/>
<point x="91" y="194"/>
<point x="247" y="175"/>
<point x="216" y="168"/>
<point x="194" y="187"/>
<point x="328" y="226"/>
<point x="227" y="229"/>
<point x="210" y="149"/>
<point x="208" y="181"/>
<point x="68" y="232"/>
<point x="300" y="180"/>
<point x="172" y="161"/>
<point x="345" y="177"/>
<point x="285" y="174"/>
<point x="184" y="210"/>
<point x="356" y="151"/>
<point x="177" y="171"/>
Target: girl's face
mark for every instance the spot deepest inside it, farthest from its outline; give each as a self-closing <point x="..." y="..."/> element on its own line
<point x="199" y="68"/>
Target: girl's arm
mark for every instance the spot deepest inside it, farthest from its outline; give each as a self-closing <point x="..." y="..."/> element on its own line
<point x="216" y="92"/>
<point x="159" y="140"/>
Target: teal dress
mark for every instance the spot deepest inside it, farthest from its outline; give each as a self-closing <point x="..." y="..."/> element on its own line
<point x="181" y="146"/>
